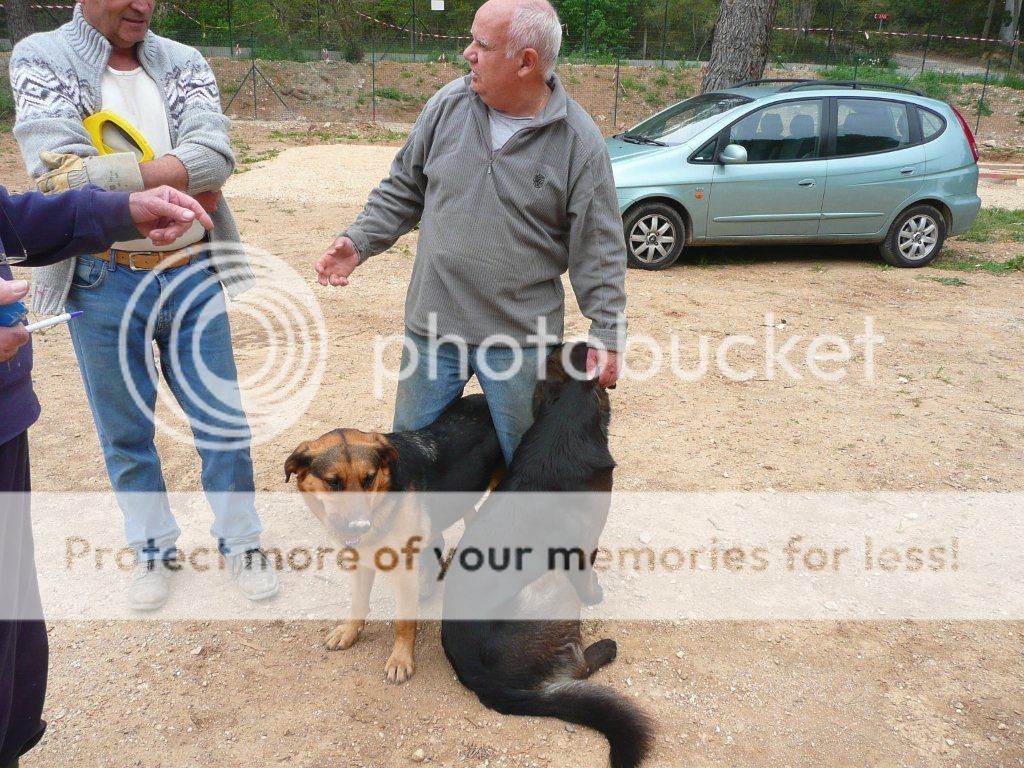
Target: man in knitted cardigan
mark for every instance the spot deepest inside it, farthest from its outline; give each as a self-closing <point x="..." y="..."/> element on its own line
<point x="107" y="59"/>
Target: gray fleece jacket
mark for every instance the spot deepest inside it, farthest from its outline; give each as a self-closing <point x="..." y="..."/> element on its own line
<point x="498" y="229"/>
<point x="56" y="79"/>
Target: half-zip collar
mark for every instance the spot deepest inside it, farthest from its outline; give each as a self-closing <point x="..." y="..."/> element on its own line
<point x="553" y="111"/>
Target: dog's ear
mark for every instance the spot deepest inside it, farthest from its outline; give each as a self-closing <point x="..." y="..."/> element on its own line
<point x="387" y="452"/>
<point x="578" y="354"/>
<point x="298" y="463"/>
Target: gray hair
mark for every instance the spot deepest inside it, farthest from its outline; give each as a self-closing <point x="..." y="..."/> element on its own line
<point x="535" y="25"/>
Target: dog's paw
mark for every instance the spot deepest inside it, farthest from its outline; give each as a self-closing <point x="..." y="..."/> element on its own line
<point x="608" y="649"/>
<point x="400" y="666"/>
<point x="343" y="636"/>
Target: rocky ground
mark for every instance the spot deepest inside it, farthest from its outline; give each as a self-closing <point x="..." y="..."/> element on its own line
<point x="943" y="413"/>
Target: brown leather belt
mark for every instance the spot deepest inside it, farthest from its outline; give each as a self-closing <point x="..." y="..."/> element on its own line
<point x="147" y="260"/>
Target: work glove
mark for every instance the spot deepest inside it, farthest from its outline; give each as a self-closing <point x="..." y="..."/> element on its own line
<point x="117" y="173"/>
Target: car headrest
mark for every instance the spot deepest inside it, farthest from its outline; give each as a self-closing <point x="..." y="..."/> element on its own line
<point x="770" y="126"/>
<point x="801" y="127"/>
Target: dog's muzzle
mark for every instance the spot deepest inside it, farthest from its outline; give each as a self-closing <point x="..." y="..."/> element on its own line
<point x="349" y="530"/>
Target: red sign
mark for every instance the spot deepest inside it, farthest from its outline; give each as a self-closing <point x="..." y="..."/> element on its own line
<point x="885" y="16"/>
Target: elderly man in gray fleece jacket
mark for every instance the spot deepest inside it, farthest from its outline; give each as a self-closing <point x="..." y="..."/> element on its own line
<point x="512" y="186"/>
<point x="107" y="59"/>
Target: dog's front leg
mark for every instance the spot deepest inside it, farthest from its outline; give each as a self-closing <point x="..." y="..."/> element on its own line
<point x="402" y="664"/>
<point x="345" y="635"/>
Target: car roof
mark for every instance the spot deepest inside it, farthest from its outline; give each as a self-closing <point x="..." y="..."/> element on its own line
<point x="763" y="89"/>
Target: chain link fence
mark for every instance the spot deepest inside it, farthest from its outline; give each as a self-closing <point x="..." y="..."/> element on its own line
<point x="373" y="71"/>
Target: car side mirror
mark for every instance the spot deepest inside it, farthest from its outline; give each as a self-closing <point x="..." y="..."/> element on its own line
<point x="733" y="154"/>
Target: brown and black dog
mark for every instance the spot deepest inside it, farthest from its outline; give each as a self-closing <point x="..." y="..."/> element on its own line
<point x="367" y="488"/>
<point x="511" y="630"/>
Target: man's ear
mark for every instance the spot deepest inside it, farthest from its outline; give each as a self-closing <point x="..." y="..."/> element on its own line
<point x="530" y="62"/>
<point x="298" y="463"/>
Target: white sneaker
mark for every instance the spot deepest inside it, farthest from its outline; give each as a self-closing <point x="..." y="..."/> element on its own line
<point x="254" y="574"/>
<point x="150" y="587"/>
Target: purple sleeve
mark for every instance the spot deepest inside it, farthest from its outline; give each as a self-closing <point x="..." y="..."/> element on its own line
<point x="56" y="227"/>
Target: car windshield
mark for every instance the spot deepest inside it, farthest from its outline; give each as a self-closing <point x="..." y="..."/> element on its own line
<point x="679" y="123"/>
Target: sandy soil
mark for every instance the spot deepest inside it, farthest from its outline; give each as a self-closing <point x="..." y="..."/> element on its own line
<point x="943" y="412"/>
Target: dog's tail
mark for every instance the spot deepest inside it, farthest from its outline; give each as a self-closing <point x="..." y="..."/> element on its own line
<point x="627" y="728"/>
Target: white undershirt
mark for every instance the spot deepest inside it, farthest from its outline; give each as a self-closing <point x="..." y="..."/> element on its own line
<point x="503" y="127"/>
<point x="135" y="97"/>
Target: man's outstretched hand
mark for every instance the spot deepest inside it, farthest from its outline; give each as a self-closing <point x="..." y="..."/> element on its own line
<point x="337" y="263"/>
<point x="163" y="214"/>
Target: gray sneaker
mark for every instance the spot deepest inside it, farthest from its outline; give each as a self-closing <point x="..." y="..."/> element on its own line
<point x="150" y="586"/>
<point x="254" y="574"/>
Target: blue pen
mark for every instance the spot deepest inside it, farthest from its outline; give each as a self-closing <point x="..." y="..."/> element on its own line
<point x="33" y="327"/>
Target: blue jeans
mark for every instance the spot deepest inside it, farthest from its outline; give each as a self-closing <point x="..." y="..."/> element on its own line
<point x="186" y="315"/>
<point x="423" y="395"/>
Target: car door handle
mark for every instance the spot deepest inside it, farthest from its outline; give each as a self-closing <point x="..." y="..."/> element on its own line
<point x="908" y="171"/>
<point x="806" y="183"/>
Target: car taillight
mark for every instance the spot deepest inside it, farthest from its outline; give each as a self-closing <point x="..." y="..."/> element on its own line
<point x="967" y="132"/>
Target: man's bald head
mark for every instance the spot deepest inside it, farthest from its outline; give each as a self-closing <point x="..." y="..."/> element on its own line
<point x="530" y="24"/>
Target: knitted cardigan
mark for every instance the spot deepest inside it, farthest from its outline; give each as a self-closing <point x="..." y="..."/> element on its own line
<point x="56" y="78"/>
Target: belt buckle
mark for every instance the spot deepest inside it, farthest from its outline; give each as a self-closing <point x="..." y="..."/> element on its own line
<point x="131" y="259"/>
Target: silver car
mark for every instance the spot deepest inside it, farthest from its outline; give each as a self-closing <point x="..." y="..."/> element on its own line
<point x="797" y="161"/>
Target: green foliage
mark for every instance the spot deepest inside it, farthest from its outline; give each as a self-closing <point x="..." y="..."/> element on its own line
<point x="396" y="95"/>
<point x="354" y="52"/>
<point x="996" y="224"/>
<point x="608" y="23"/>
<point x="6" y="105"/>
<point x="654" y="99"/>
<point x="936" y="85"/>
<point x="953" y="282"/>
<point x="245" y="158"/>
<point x="956" y="261"/>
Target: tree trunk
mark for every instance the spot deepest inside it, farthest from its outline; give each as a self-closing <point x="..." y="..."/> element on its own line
<point x="19" y="19"/>
<point x="739" y="50"/>
<point x="988" y="18"/>
<point x="1009" y="30"/>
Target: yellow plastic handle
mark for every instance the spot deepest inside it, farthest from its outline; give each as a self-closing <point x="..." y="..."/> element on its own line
<point x="111" y="133"/>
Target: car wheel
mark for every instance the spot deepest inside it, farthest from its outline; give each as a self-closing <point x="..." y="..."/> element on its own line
<point x="655" y="235"/>
<point x="915" y="237"/>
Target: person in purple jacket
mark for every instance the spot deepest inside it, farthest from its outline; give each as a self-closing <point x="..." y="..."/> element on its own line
<point x="35" y="230"/>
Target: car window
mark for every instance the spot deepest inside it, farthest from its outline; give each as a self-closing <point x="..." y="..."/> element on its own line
<point x="706" y="154"/>
<point x="867" y="125"/>
<point x="931" y="124"/>
<point x="680" y="122"/>
<point x="788" y="131"/>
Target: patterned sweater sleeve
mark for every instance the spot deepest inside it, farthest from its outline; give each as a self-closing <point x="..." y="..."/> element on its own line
<point x="203" y="145"/>
<point x="48" y="107"/>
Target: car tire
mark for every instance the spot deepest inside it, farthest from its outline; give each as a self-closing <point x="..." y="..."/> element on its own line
<point x="655" y="235"/>
<point x="915" y="237"/>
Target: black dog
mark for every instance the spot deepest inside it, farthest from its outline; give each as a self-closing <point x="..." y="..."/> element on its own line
<point x="556" y="496"/>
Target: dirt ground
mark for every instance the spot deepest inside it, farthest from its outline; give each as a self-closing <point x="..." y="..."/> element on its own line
<point x="944" y="412"/>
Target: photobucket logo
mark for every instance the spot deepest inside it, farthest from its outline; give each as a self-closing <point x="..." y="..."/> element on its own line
<point x="690" y="358"/>
<point x="280" y="343"/>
